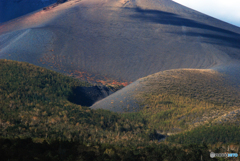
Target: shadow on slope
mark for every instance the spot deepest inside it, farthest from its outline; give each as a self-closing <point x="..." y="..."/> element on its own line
<point x="87" y="96"/>
<point x="10" y="9"/>
<point x="175" y="20"/>
<point x="230" y="40"/>
<point x="227" y="38"/>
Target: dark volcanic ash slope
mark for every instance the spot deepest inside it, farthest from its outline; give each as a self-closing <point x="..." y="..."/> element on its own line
<point x="119" y="39"/>
<point x="10" y="9"/>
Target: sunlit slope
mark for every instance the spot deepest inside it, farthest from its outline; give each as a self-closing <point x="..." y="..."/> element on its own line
<point x="119" y="41"/>
<point x="179" y="99"/>
<point x="199" y="84"/>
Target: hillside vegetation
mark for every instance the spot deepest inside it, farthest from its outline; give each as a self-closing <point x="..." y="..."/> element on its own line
<point x="26" y="149"/>
<point x="34" y="103"/>
<point x="210" y="134"/>
<point x="177" y="100"/>
<point x="39" y="123"/>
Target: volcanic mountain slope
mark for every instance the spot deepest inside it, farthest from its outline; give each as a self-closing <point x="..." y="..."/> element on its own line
<point x="10" y="9"/>
<point x="117" y="41"/>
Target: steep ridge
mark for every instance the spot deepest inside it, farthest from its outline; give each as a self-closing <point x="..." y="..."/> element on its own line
<point x="119" y="41"/>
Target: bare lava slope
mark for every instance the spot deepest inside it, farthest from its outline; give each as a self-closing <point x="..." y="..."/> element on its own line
<point x="111" y="41"/>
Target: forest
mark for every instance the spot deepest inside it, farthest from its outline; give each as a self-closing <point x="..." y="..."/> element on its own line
<point x="38" y="122"/>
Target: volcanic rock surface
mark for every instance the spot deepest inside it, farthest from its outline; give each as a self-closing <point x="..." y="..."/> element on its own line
<point x="120" y="41"/>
